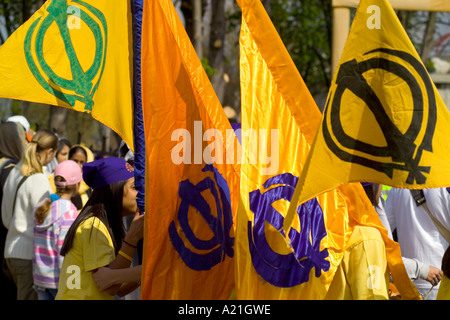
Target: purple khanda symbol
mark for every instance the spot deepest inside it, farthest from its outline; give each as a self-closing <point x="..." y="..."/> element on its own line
<point x="286" y="270"/>
<point x="220" y="223"/>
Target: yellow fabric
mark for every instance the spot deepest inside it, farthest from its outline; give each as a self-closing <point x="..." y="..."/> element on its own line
<point x="92" y="248"/>
<point x="178" y="97"/>
<point x="74" y="54"/>
<point x="444" y="289"/>
<point x="274" y="97"/>
<point x="364" y="97"/>
<point x="379" y="123"/>
<point x="363" y="272"/>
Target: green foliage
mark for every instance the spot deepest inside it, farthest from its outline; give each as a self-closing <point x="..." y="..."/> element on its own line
<point x="15" y="108"/>
<point x="305" y="28"/>
<point x="14" y="13"/>
<point x="430" y="66"/>
<point x="210" y="71"/>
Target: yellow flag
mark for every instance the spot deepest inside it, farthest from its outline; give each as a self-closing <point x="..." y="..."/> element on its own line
<point x="273" y="148"/>
<point x="192" y="174"/>
<point x="279" y="120"/>
<point x="74" y="54"/>
<point x="384" y="121"/>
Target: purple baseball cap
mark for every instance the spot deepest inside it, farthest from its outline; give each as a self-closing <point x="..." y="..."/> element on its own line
<point x="103" y="172"/>
<point x="70" y="171"/>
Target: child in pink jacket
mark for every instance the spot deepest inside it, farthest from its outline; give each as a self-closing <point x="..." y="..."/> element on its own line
<point x="52" y="221"/>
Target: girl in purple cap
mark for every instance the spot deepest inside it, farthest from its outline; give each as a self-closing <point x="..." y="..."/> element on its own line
<point x="97" y="238"/>
<point x="52" y="221"/>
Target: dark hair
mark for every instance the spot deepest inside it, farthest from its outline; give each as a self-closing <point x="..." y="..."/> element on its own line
<point x="75" y="149"/>
<point x="105" y="204"/>
<point x="446" y="263"/>
<point x="63" y="142"/>
<point x="12" y="140"/>
<point x="123" y="150"/>
<point x="371" y="191"/>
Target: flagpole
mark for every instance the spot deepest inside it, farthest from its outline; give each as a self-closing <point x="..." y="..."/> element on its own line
<point x="412" y="5"/>
<point x="341" y="27"/>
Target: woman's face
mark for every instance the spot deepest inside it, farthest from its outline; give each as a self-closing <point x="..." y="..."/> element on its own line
<point x="63" y="153"/>
<point x="129" y="204"/>
<point x="79" y="157"/>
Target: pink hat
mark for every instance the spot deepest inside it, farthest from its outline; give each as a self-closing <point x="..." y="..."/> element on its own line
<point x="70" y="171"/>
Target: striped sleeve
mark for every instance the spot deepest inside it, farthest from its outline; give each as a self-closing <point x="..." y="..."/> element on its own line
<point x="68" y="215"/>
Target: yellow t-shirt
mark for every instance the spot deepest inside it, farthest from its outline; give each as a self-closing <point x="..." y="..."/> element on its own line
<point x="92" y="248"/>
<point x="362" y="273"/>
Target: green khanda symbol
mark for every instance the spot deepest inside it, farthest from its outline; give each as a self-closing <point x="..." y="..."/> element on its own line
<point x="84" y="83"/>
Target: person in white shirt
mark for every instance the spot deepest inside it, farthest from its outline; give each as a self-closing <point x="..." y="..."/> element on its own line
<point x="17" y="210"/>
<point x="416" y="269"/>
<point x="417" y="234"/>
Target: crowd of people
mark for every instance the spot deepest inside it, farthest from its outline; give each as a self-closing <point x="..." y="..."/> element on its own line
<point x="70" y="226"/>
<point x="65" y="231"/>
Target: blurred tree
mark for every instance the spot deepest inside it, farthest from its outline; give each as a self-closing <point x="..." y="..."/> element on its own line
<point x="193" y="14"/>
<point x="425" y="29"/>
<point x="14" y="13"/>
<point x="305" y="28"/>
<point x="216" y="47"/>
<point x="428" y="41"/>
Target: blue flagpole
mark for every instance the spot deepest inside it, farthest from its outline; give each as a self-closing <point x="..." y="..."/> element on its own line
<point x="138" y="130"/>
